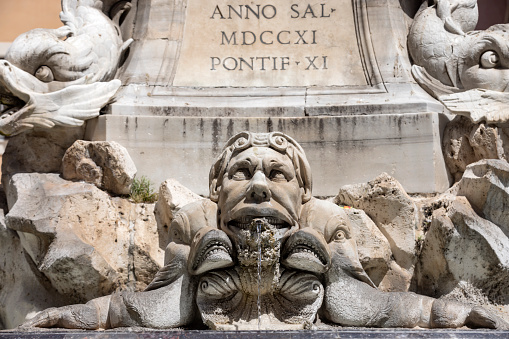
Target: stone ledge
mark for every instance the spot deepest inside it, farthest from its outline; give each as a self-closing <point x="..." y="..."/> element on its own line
<point x="318" y="334"/>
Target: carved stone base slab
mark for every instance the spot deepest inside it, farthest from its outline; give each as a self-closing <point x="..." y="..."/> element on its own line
<point x="129" y="333"/>
<point x="342" y="150"/>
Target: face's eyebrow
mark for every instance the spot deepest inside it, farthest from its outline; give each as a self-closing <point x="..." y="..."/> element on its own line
<point x="283" y="166"/>
<point x="243" y="162"/>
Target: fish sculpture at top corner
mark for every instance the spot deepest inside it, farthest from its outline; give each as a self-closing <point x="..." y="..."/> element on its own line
<point x="62" y="76"/>
<point x="467" y="70"/>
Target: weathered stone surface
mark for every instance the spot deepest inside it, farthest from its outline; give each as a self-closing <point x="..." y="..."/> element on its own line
<point x="373" y="248"/>
<point x="172" y="196"/>
<point x="393" y="211"/>
<point x="38" y="151"/>
<point x="84" y="242"/>
<point x="486" y="186"/>
<point x="406" y="145"/>
<point x="212" y="64"/>
<point x="23" y="289"/>
<point x="462" y="247"/>
<point x="253" y="261"/>
<point x="465" y="143"/>
<point x="458" y="152"/>
<point x="104" y="164"/>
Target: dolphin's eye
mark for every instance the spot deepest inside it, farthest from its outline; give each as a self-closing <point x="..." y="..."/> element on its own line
<point x="340" y="235"/>
<point x="175" y="235"/>
<point x="490" y="59"/>
<point x="241" y="174"/>
<point x="176" y="226"/>
<point x="45" y="74"/>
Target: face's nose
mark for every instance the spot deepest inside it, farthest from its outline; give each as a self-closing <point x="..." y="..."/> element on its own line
<point x="259" y="189"/>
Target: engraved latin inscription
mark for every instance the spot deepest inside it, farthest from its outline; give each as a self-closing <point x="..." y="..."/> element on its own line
<point x="288" y="43"/>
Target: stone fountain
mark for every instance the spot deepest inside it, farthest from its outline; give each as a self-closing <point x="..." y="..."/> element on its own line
<point x="156" y="88"/>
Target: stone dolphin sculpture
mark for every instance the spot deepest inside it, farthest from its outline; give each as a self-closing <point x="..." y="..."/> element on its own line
<point x="351" y="298"/>
<point x="62" y="76"/>
<point x="321" y="220"/>
<point x="169" y="300"/>
<point x="468" y="71"/>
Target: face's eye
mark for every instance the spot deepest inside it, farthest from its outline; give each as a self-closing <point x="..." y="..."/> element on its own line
<point x="276" y="175"/>
<point x="490" y="59"/>
<point x="241" y="174"/>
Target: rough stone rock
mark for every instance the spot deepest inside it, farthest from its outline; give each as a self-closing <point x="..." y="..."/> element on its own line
<point x="104" y="164"/>
<point x="397" y="279"/>
<point x="373" y="248"/>
<point x="486" y="186"/>
<point x="393" y="211"/>
<point x="465" y="143"/>
<point x="172" y="196"/>
<point x="461" y="247"/>
<point x="458" y="152"/>
<point x="38" y="151"/>
<point x="23" y="289"/>
<point x="85" y="243"/>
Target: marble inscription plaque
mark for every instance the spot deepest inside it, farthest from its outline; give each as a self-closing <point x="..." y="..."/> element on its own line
<point x="246" y="43"/>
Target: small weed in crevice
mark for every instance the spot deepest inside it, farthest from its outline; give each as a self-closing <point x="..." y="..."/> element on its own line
<point x="142" y="191"/>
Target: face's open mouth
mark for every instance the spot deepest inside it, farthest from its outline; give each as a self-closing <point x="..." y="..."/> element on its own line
<point x="245" y="222"/>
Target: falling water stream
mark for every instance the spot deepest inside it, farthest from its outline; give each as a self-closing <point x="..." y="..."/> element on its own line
<point x="259" y="242"/>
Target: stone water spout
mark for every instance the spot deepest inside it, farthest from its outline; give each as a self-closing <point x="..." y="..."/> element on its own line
<point x="262" y="253"/>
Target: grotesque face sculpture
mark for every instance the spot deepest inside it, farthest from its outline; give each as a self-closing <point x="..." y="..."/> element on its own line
<point x="260" y="175"/>
<point x="260" y="183"/>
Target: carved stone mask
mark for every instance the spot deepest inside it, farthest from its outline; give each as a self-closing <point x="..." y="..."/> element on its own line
<point x="260" y="175"/>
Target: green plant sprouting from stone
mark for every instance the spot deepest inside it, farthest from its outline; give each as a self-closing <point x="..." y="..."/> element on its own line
<point x="142" y="191"/>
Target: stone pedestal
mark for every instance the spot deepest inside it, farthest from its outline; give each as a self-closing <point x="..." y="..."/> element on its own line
<point x="341" y="149"/>
<point x="335" y="76"/>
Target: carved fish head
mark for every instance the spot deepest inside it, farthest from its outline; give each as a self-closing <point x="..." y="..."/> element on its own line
<point x="307" y="250"/>
<point x="211" y="249"/>
<point x="44" y="54"/>
<point x="482" y="60"/>
<point x="343" y="247"/>
<point x="333" y="225"/>
<point x="194" y="226"/>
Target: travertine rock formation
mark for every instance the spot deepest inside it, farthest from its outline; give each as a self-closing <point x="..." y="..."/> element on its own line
<point x="79" y="242"/>
<point x="172" y="197"/>
<point x="486" y="186"/>
<point x="465" y="142"/>
<point x="23" y="289"/>
<point x="393" y="211"/>
<point x="463" y="248"/>
<point x="39" y="151"/>
<point x="105" y="164"/>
